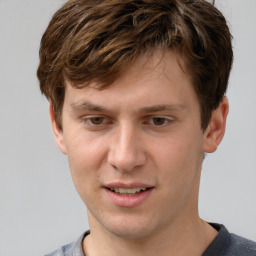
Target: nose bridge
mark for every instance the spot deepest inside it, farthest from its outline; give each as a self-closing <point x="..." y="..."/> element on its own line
<point x="126" y="151"/>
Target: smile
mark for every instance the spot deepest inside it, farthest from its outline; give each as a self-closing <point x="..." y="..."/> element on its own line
<point x="127" y="191"/>
<point x="128" y="195"/>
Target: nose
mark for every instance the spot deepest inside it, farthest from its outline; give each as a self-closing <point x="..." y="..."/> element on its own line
<point x="126" y="150"/>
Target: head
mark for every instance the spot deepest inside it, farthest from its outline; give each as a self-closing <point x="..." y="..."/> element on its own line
<point x="136" y="91"/>
<point x="96" y="41"/>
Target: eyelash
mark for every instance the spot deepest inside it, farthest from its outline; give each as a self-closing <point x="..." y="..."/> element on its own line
<point x="88" y="121"/>
<point x="160" y="118"/>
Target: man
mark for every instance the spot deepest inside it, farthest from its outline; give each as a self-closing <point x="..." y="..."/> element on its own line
<point x="137" y="97"/>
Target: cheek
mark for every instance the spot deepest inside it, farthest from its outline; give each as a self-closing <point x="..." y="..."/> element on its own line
<point x="179" y="165"/>
<point x="83" y="148"/>
<point x="179" y="159"/>
<point x="84" y="161"/>
<point x="85" y="157"/>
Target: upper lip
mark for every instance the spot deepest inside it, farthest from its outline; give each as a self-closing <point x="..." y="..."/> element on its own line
<point x="127" y="185"/>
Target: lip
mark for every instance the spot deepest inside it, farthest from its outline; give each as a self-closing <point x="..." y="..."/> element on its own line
<point x="127" y="185"/>
<point x="125" y="200"/>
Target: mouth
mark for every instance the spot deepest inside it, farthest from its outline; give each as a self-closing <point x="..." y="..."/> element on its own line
<point x="128" y="191"/>
<point x="128" y="195"/>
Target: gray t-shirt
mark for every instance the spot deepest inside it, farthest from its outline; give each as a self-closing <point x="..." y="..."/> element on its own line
<point x="225" y="244"/>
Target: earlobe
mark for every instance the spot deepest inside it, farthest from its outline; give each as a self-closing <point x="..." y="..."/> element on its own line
<point x="57" y="132"/>
<point x="216" y="128"/>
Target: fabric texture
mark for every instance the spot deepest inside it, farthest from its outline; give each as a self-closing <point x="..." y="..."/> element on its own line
<point x="225" y="244"/>
<point x="73" y="249"/>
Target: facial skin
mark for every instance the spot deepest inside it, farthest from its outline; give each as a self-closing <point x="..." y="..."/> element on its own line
<point x="143" y="131"/>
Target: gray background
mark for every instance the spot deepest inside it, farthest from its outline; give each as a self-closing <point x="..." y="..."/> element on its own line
<point x="39" y="207"/>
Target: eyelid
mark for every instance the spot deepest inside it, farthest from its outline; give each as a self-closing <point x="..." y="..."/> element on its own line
<point x="169" y="119"/>
<point x="148" y="120"/>
<point x="88" y="118"/>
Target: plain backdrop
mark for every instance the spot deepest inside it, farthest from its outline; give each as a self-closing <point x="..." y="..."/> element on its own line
<point x="39" y="207"/>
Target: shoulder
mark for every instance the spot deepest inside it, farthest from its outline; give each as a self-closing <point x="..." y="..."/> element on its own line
<point x="242" y="246"/>
<point x="65" y="250"/>
<point x="72" y="249"/>
<point x="228" y="244"/>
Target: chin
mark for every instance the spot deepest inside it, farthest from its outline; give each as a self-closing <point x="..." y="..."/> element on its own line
<point x="130" y="229"/>
<point x="130" y="233"/>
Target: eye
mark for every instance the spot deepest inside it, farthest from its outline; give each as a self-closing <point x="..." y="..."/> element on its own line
<point x="158" y="121"/>
<point x="96" y="120"/>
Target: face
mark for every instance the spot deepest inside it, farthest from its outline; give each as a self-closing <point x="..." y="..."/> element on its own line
<point x="135" y="149"/>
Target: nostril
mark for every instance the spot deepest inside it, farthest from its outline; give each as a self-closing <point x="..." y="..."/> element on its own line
<point x="126" y="154"/>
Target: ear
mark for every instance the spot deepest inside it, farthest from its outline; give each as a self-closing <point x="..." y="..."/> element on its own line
<point x="57" y="132"/>
<point x="216" y="128"/>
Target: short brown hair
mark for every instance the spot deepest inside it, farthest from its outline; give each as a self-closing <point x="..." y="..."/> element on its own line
<point x="95" y="40"/>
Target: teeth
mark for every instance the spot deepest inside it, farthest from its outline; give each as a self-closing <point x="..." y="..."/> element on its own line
<point x="127" y="191"/>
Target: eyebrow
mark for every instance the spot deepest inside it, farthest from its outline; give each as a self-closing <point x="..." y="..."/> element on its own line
<point x="163" y="107"/>
<point x="88" y="106"/>
<point x="85" y="105"/>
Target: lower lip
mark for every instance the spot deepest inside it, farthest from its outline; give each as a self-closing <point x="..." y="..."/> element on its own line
<point x="128" y="201"/>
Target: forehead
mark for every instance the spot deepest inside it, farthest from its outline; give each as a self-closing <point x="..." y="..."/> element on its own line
<point x="152" y="77"/>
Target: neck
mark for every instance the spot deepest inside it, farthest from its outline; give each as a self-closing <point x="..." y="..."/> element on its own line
<point x="186" y="238"/>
